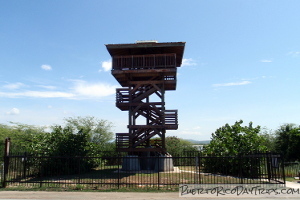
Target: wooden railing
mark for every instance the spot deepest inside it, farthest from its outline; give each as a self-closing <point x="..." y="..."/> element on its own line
<point x="171" y="117"/>
<point x="122" y="95"/>
<point x="152" y="61"/>
<point x="122" y="140"/>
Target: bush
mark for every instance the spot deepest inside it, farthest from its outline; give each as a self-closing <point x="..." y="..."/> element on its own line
<point x="178" y="147"/>
<point x="288" y="141"/>
<point x="236" y="144"/>
<point x="61" y="150"/>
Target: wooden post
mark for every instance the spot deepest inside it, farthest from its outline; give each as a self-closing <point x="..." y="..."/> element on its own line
<point x="6" y="161"/>
<point x="163" y="137"/>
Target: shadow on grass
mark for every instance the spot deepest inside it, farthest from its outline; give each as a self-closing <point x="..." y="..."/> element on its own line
<point x="94" y="174"/>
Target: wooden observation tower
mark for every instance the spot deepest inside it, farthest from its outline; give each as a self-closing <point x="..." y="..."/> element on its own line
<point x="145" y="70"/>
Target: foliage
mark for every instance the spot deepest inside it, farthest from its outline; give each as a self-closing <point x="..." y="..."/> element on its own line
<point x="98" y="129"/>
<point x="236" y="141"/>
<point x="67" y="148"/>
<point x="269" y="139"/>
<point x="20" y="134"/>
<point x="177" y="147"/>
<point x="288" y="141"/>
<point x="80" y="137"/>
<point x="62" y="142"/>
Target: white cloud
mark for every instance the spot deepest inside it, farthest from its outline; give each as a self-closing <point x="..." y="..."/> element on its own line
<point x="294" y="53"/>
<point x="197" y="128"/>
<point x="67" y="112"/>
<point x="14" y="111"/>
<point x="14" y="86"/>
<point x="231" y="84"/>
<point x="46" y="67"/>
<point x="188" y="62"/>
<point x="266" y="60"/>
<point x="37" y="94"/>
<point x="79" y="89"/>
<point x="106" y="65"/>
<point x="83" y="88"/>
<point x="47" y="94"/>
<point x="50" y="87"/>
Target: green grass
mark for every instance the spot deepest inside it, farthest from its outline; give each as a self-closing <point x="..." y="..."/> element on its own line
<point x="292" y="179"/>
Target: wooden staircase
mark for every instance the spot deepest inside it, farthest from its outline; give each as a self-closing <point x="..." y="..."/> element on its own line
<point x="136" y="100"/>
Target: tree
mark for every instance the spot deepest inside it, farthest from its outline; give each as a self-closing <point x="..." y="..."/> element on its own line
<point x="62" y="152"/>
<point x="231" y="144"/>
<point x="269" y="139"/>
<point x="236" y="140"/>
<point x="288" y="141"/>
<point x="176" y="146"/>
<point x="79" y="137"/>
<point x="20" y="134"/>
<point x="98" y="130"/>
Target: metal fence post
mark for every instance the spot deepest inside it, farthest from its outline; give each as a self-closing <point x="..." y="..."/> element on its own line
<point x="268" y="167"/>
<point x="79" y="171"/>
<point x="119" y="162"/>
<point x="282" y="168"/>
<point x="6" y="161"/>
<point x="199" y="169"/>
<point x="25" y="165"/>
<point x="158" y="166"/>
<point x="240" y="167"/>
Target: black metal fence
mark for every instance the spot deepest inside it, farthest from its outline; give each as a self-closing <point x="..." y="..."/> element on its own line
<point x="30" y="171"/>
<point x="292" y="169"/>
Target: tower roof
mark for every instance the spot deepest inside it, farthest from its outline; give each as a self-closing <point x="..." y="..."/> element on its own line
<point x="148" y="47"/>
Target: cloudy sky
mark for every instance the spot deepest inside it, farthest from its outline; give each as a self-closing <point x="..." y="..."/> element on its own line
<point x="241" y="60"/>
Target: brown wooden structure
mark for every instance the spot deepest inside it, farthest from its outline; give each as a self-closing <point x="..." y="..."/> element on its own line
<point x="145" y="70"/>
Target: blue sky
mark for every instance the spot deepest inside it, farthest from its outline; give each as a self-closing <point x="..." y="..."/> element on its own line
<point x="241" y="60"/>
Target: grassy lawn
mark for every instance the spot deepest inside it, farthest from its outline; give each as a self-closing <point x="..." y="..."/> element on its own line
<point x="292" y="179"/>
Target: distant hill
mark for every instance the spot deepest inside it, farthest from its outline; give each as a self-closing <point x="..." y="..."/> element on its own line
<point x="199" y="141"/>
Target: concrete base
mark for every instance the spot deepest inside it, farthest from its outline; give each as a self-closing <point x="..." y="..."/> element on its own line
<point x="148" y="163"/>
<point x="164" y="163"/>
<point x="131" y="163"/>
<point x="161" y="163"/>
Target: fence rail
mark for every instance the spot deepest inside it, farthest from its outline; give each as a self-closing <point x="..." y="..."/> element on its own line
<point x="192" y="168"/>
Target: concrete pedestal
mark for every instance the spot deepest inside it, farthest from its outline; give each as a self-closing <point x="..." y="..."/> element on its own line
<point x="131" y="163"/>
<point x="161" y="163"/>
<point x="147" y="162"/>
<point x="164" y="163"/>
